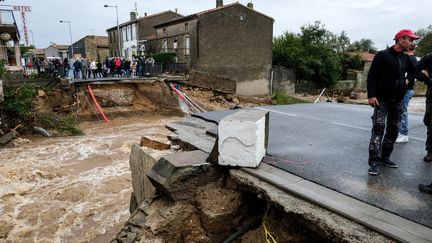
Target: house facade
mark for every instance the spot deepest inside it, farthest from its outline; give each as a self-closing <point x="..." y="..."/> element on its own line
<point x="9" y="39"/>
<point x="231" y="40"/>
<point x="91" y="47"/>
<point x="135" y="32"/>
<point x="55" y="50"/>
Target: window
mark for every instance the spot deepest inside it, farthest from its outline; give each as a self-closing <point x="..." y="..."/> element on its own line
<point x="175" y="45"/>
<point x="128" y="32"/>
<point x="186" y="26"/>
<point x="187" y="45"/>
<point x="133" y="32"/>
<point x="123" y="30"/>
<point x="165" y="46"/>
<point x="164" y="31"/>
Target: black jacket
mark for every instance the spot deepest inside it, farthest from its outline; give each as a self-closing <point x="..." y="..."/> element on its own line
<point x="426" y="64"/>
<point x="387" y="76"/>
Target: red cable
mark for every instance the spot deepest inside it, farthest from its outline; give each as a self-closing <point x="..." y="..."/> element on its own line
<point x="97" y="104"/>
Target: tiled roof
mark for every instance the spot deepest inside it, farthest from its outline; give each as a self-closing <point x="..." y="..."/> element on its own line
<point x="98" y="40"/>
<point x="141" y="18"/>
<point x="227" y="6"/>
<point x="61" y="46"/>
<point x="365" y="56"/>
<point x="199" y="14"/>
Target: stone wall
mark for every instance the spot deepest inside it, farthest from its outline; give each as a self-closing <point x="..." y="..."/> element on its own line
<point x="283" y="80"/>
<point x="235" y="42"/>
<point x="211" y="81"/>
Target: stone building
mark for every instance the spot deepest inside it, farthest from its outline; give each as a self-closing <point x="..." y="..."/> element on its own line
<point x="91" y="47"/>
<point x="135" y="32"/>
<point x="55" y="50"/>
<point x="230" y="40"/>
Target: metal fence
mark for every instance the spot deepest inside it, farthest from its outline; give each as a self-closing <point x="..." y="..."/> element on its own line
<point x="152" y="69"/>
<point x="43" y="70"/>
<point x="177" y="68"/>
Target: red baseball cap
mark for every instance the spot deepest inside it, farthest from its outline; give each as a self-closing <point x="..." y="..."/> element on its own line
<point x="405" y="32"/>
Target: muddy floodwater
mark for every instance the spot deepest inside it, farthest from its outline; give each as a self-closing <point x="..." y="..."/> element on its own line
<point x="70" y="189"/>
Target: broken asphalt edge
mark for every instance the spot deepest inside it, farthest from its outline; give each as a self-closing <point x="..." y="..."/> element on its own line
<point x="384" y="222"/>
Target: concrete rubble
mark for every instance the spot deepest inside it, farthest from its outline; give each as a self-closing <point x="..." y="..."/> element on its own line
<point x="198" y="201"/>
<point x="243" y="138"/>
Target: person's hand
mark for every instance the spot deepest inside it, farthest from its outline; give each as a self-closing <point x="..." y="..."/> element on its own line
<point x="373" y="101"/>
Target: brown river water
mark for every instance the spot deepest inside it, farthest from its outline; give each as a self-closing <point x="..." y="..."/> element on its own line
<point x="71" y="189"/>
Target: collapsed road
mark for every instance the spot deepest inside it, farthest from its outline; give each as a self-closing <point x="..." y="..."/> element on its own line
<point x="317" y="154"/>
<point x="328" y="143"/>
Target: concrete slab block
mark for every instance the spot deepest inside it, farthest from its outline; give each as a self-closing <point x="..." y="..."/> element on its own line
<point x="155" y="142"/>
<point x="399" y="228"/>
<point x="334" y="200"/>
<point x="243" y="138"/>
<point x="140" y="162"/>
<point x="178" y="176"/>
<point x="397" y="231"/>
<point x="277" y="176"/>
<point x="7" y="137"/>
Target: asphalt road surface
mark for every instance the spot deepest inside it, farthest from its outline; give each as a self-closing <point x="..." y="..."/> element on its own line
<point x="327" y="143"/>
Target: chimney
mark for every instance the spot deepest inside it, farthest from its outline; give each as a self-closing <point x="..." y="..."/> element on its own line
<point x="145" y="14"/>
<point x="250" y="5"/>
<point x="219" y="3"/>
<point x="133" y="15"/>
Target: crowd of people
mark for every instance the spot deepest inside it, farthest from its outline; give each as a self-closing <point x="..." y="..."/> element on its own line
<point x="391" y="76"/>
<point x="82" y="68"/>
<point x="113" y="67"/>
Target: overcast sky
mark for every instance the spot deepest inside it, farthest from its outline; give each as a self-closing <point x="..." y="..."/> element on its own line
<point x="378" y="20"/>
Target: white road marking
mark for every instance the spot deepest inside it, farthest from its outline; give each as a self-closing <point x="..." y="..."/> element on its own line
<point x="351" y="126"/>
<point x="368" y="129"/>
<point x="279" y="112"/>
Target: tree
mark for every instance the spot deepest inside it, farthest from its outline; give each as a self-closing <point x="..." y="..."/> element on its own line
<point x="312" y="53"/>
<point x="424" y="45"/>
<point x="362" y="45"/>
<point x="25" y="49"/>
<point x="341" y="42"/>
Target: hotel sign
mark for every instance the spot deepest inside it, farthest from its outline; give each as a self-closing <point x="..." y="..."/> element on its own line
<point x="21" y="8"/>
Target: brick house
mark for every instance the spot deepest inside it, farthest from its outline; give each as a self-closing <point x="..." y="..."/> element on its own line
<point x="91" y="47"/>
<point x="230" y="40"/>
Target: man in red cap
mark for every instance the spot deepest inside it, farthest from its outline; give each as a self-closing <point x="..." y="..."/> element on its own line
<point x="386" y="86"/>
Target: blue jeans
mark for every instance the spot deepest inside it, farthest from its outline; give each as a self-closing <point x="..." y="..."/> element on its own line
<point x="404" y="121"/>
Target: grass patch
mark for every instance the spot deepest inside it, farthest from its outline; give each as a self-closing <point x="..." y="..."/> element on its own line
<point x="65" y="126"/>
<point x="283" y="99"/>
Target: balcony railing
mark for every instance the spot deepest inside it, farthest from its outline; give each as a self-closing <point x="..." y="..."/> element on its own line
<point x="6" y="17"/>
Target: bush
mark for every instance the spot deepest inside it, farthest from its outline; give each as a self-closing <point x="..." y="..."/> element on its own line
<point x="164" y="58"/>
<point x="17" y="102"/>
<point x="17" y="108"/>
<point x="66" y="126"/>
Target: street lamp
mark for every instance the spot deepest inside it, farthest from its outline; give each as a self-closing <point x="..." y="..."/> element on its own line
<point x="118" y="27"/>
<point x="31" y="32"/>
<point x="70" y="35"/>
